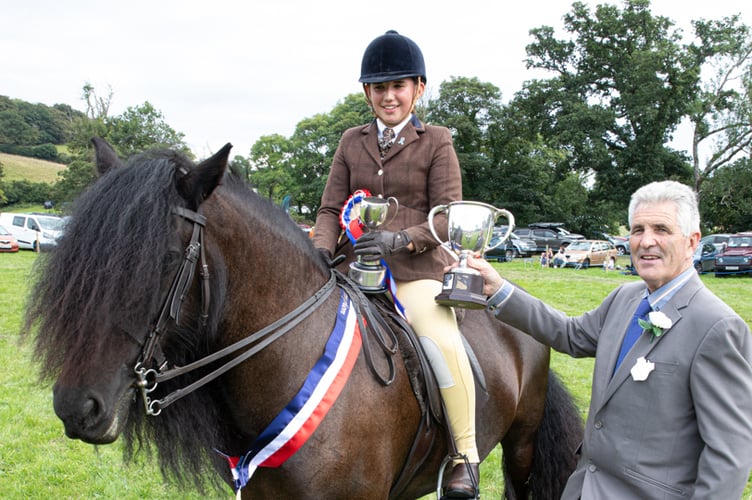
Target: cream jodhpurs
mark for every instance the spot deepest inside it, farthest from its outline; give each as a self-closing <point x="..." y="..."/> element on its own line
<point x="436" y="326"/>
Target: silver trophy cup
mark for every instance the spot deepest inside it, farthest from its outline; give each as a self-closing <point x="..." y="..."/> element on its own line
<point x="470" y="227"/>
<point x="367" y="271"/>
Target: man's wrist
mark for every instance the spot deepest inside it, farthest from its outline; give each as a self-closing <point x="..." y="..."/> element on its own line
<point x="499" y="296"/>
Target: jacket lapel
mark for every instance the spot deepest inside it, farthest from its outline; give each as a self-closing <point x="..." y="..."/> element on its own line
<point x="643" y="347"/>
<point x="370" y="139"/>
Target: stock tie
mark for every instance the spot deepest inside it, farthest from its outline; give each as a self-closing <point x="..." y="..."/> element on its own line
<point x="634" y="331"/>
<point x="386" y="141"/>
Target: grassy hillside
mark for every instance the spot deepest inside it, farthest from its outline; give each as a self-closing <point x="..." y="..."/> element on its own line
<point x="31" y="169"/>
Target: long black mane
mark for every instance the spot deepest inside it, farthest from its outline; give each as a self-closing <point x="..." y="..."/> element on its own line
<point x="107" y="275"/>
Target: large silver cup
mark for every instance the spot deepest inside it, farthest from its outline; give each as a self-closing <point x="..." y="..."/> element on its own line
<point x="470" y="227"/>
<point x="367" y="270"/>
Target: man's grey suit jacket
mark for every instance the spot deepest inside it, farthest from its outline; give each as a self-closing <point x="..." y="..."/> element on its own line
<point x="684" y="432"/>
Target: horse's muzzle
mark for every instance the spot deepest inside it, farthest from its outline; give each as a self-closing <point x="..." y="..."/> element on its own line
<point x="87" y="416"/>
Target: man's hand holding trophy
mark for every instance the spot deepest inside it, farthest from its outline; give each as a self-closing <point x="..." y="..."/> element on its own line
<point x="470" y="228"/>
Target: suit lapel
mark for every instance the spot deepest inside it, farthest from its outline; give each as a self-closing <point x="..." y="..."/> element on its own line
<point x="370" y="139"/>
<point x="643" y="347"/>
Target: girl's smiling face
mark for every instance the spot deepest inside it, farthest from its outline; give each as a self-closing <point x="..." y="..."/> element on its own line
<point x="393" y="101"/>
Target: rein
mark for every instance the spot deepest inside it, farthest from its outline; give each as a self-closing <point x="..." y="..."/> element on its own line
<point x="148" y="377"/>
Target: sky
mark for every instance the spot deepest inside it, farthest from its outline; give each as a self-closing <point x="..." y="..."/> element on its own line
<point x="234" y="71"/>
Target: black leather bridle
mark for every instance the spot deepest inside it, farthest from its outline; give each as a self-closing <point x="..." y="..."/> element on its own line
<point x="152" y="368"/>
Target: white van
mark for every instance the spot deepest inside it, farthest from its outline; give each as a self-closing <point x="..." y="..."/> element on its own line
<point x="33" y="231"/>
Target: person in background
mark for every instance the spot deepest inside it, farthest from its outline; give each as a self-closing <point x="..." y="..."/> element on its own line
<point x="671" y="405"/>
<point x="546" y="257"/>
<point x="396" y="155"/>
<point x="560" y="259"/>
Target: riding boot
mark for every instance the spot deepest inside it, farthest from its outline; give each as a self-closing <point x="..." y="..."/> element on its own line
<point x="461" y="484"/>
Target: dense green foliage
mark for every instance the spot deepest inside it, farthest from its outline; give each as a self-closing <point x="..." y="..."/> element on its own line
<point x="571" y="146"/>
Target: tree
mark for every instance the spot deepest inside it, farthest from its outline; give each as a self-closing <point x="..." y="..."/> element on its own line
<point x="97" y="107"/>
<point x="139" y="128"/>
<point x="269" y="174"/>
<point x="3" y="199"/>
<point x="143" y="127"/>
<point x="622" y="85"/>
<point x="726" y="205"/>
<point x="15" y="130"/>
<point x="721" y="115"/>
<point x="469" y="108"/>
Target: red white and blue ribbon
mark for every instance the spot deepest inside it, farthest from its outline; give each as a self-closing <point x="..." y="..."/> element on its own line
<point x="292" y="427"/>
<point x="354" y="230"/>
<point x="353" y="227"/>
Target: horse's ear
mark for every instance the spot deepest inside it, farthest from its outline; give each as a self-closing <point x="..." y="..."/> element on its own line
<point x="199" y="182"/>
<point x="106" y="158"/>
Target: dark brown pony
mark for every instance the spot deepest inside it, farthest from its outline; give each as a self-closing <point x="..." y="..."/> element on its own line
<point x="101" y="308"/>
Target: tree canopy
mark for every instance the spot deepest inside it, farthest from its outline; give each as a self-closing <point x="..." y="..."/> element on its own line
<point x="571" y="146"/>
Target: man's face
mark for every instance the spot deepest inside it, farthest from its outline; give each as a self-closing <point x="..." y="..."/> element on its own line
<point x="660" y="252"/>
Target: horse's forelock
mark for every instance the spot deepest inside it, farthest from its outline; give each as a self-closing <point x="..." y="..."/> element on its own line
<point x="104" y="278"/>
<point x="107" y="263"/>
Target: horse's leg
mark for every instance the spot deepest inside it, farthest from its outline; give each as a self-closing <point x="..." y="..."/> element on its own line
<point x="518" y="452"/>
<point x="519" y="443"/>
<point x="539" y="455"/>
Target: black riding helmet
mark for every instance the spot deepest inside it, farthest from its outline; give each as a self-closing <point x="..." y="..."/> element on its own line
<point x="391" y="57"/>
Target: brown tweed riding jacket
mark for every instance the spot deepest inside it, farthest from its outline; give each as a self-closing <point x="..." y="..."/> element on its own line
<point x="420" y="170"/>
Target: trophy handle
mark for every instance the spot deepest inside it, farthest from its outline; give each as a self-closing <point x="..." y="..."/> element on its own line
<point x="435" y="210"/>
<point x="394" y="214"/>
<point x="510" y="223"/>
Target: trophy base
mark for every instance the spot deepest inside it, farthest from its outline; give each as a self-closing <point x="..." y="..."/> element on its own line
<point x="462" y="290"/>
<point x="369" y="278"/>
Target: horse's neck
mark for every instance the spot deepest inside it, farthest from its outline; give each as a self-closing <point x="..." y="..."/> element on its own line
<point x="267" y="273"/>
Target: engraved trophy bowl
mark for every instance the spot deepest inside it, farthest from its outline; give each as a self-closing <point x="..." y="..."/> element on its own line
<point x="367" y="271"/>
<point x="470" y="228"/>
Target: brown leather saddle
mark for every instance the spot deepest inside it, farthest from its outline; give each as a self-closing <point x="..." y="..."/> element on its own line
<point x="383" y="328"/>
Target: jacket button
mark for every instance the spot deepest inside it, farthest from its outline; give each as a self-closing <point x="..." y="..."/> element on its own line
<point x="598" y="424"/>
<point x="592" y="468"/>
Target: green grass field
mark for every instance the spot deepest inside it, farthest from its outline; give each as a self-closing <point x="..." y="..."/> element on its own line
<point x="30" y="169"/>
<point x="38" y="462"/>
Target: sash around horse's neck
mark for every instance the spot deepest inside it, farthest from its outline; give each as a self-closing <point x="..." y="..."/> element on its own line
<point x="292" y="427"/>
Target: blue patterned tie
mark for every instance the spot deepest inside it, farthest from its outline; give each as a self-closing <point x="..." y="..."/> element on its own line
<point x="385" y="143"/>
<point x="634" y="331"/>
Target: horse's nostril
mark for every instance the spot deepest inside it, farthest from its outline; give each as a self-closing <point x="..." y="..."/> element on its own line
<point x="90" y="411"/>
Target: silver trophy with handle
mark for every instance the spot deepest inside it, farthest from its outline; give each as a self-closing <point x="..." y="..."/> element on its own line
<point x="367" y="271"/>
<point x="470" y="228"/>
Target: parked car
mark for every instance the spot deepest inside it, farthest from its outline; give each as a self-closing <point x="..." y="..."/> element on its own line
<point x="620" y="242"/>
<point x="33" y="231"/>
<point x="720" y="240"/>
<point x="548" y="235"/>
<point x="513" y="248"/>
<point x="704" y="257"/>
<point x="8" y="242"/>
<point x="737" y="258"/>
<point x="586" y="253"/>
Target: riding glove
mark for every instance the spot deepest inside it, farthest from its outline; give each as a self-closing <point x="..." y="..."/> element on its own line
<point x="382" y="243"/>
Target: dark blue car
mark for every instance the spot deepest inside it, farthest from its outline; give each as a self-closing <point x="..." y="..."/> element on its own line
<point x="704" y="258"/>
